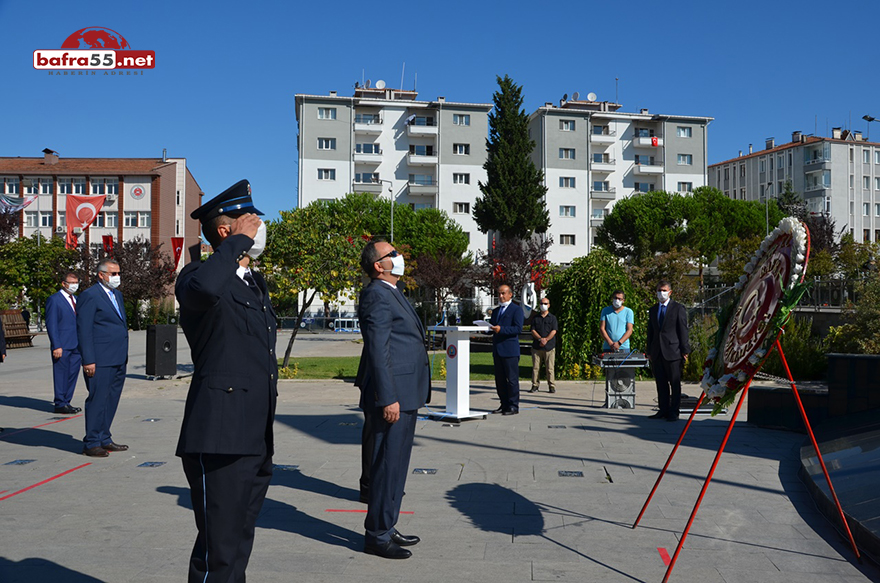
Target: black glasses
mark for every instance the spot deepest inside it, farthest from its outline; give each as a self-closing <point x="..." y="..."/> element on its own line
<point x="392" y="253"/>
<point x="545" y="303"/>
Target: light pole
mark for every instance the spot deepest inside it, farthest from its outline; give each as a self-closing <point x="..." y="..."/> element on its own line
<point x="391" y="196"/>
<point x="869" y="119"/>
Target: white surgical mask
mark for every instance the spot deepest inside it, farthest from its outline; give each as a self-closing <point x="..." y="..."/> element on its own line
<point x="662" y="296"/>
<point x="397" y="265"/>
<point x="113" y="281"/>
<point x="617" y="303"/>
<point x="72" y="287"/>
<point x="544" y="307"/>
<point x="259" y="242"/>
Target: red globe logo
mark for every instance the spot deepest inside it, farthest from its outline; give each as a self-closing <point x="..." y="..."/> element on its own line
<point x="95" y="37"/>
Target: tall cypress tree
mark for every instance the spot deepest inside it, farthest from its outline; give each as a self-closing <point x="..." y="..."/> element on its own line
<point x="513" y="195"/>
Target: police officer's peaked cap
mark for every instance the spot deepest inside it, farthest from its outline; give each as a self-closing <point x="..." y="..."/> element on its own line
<point x="235" y="200"/>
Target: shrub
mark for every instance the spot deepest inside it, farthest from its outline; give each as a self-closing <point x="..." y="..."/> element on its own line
<point x="804" y="353"/>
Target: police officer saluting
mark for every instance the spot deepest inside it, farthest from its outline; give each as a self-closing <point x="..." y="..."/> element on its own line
<point x="226" y="439"/>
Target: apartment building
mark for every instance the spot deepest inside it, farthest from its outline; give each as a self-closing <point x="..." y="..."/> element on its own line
<point x="593" y="154"/>
<point x="427" y="154"/>
<point x="148" y="197"/>
<point x="838" y="176"/>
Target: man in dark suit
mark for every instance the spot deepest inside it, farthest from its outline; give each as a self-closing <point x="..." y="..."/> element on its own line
<point x="395" y="381"/>
<point x="506" y="323"/>
<point x="66" y="359"/>
<point x="226" y="439"/>
<point x="667" y="349"/>
<point x="102" y="334"/>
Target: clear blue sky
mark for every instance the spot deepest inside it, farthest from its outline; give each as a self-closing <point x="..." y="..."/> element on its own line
<point x="222" y="92"/>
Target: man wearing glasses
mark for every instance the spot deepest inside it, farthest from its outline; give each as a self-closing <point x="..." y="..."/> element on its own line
<point x="102" y="332"/>
<point x="544" y="329"/>
<point x="395" y="381"/>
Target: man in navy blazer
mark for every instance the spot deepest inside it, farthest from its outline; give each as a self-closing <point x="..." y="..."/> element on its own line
<point x="102" y="331"/>
<point x="66" y="359"/>
<point x="667" y="346"/>
<point x="395" y="381"/>
<point x="506" y="322"/>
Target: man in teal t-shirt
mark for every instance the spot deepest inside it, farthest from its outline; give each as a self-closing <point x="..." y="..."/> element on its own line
<point x="616" y="323"/>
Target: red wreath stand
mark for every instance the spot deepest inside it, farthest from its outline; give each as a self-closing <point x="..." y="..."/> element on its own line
<point x="742" y="397"/>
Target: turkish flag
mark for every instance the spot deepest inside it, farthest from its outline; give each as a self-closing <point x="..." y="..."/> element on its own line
<point x="82" y="210"/>
<point x="108" y="244"/>
<point x="655" y="142"/>
<point x="177" y="245"/>
<point x="72" y="240"/>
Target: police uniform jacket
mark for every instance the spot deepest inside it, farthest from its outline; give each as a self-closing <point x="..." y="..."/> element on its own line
<point x="230" y="406"/>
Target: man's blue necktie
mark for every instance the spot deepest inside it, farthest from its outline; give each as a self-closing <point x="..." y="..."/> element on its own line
<point x="662" y="314"/>
<point x="115" y="304"/>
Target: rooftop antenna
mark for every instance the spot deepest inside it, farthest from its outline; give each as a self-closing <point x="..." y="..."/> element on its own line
<point x="565" y="97"/>
<point x="380" y="84"/>
<point x="591" y="96"/>
<point x="616" y="98"/>
<point x="402" y="71"/>
<point x="369" y="82"/>
<point x="416" y="83"/>
<point x="575" y="96"/>
<point x="363" y="71"/>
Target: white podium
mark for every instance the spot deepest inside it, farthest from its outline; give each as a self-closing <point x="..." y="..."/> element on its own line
<point x="458" y="373"/>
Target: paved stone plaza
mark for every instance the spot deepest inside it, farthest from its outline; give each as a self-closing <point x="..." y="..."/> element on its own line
<point x="497" y="509"/>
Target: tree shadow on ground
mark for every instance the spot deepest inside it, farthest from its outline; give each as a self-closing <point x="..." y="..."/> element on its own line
<point x="34" y="570"/>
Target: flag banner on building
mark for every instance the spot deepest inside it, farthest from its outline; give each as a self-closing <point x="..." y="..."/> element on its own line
<point x="108" y="244"/>
<point x="81" y="212"/>
<point x="13" y="204"/>
<point x="72" y="240"/>
<point x="177" y="246"/>
<point x="655" y="142"/>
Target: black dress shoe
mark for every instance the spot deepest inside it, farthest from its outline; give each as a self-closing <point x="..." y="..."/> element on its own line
<point x="511" y="412"/>
<point x="389" y="550"/>
<point x="76" y="409"/>
<point x="672" y="418"/>
<point x="533" y="390"/>
<point x="403" y="540"/>
<point x="552" y="389"/>
<point x="96" y="452"/>
<point x="66" y="410"/>
<point x="657" y="415"/>
<point x="115" y="447"/>
<point x="498" y="410"/>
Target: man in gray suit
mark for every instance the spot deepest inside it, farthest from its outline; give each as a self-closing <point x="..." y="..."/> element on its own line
<point x="395" y="381"/>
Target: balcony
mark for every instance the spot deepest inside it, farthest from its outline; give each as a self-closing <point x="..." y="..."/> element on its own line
<point x="368" y="157"/>
<point x="606" y="165"/>
<point x="596" y="221"/>
<point x="648" y="169"/>
<point x="417" y="131"/>
<point x="608" y="137"/>
<point x="817" y="162"/>
<point x="603" y="194"/>
<point x="421" y="159"/>
<point x="372" y="187"/>
<point x="367" y="125"/>
<point x="423" y="188"/>
<point x="647" y="142"/>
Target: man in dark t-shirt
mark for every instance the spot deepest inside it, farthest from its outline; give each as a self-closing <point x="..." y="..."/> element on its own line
<point x="544" y="329"/>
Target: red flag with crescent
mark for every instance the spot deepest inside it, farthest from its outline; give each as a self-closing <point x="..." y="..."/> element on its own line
<point x="654" y="141"/>
<point x="82" y="210"/>
<point x="72" y="240"/>
<point x="108" y="244"/>
<point x="177" y="245"/>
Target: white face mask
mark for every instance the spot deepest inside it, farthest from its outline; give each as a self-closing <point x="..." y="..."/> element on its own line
<point x="113" y="281"/>
<point x="72" y="287"/>
<point x="259" y="242"/>
<point x="662" y="296"/>
<point x="397" y="265"/>
<point x="544" y="307"/>
<point x="617" y="303"/>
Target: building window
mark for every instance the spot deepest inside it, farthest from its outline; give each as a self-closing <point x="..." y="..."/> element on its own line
<point x="326" y="174"/>
<point x="105" y="186"/>
<point x="762" y="165"/>
<point x="566" y="239"/>
<point x="111" y="219"/>
<point x="461" y="178"/>
<point x="684" y="132"/>
<point x="62" y="219"/>
<point x="421" y="150"/>
<point x="601" y="186"/>
<point x="177" y="226"/>
<point x="144" y="219"/>
<point x="685" y="159"/>
<point x="780" y="161"/>
<point x="326" y="113"/>
<point x="566" y="154"/>
<point x="566" y="125"/>
<point x="876" y="156"/>
<point x="649" y="161"/>
<point x="866" y="156"/>
<point x="601" y="131"/>
<point x="46" y="219"/>
<point x="742" y="193"/>
<point x="602" y="158"/>
<point x="566" y="211"/>
<point x="178" y="197"/>
<point x="566" y="182"/>
<point x="367" y="118"/>
<point x="65" y="186"/>
<point x="9" y="185"/>
<point x="866" y="182"/>
<point x="866" y="209"/>
<point x="421" y="179"/>
<point x="686" y="187"/>
<point x="364" y="148"/>
<point x="326" y="143"/>
<point x="461" y="149"/>
<point x="130" y="219"/>
<point x="461" y="208"/>
<point x="417" y="206"/>
<point x="79" y="186"/>
<point x="460" y="119"/>
<point x="31" y="219"/>
<point x="420" y="120"/>
<point x="643" y="186"/>
<point x="877" y="209"/>
<point x="366" y="177"/>
<point x="742" y="170"/>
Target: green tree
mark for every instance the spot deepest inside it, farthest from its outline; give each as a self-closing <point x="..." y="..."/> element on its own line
<point x="147" y="278"/>
<point x="853" y="259"/>
<point x="513" y="195"/>
<point x="791" y="203"/>
<point x="644" y="224"/>
<point x="578" y="295"/>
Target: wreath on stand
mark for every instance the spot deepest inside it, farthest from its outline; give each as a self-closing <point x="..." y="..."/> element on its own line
<point x="764" y="298"/>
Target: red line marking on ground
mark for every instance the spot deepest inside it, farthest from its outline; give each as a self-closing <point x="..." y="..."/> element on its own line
<point x="36" y="426"/>
<point x="664" y="555"/>
<point x="356" y="510"/>
<point x="44" y="481"/>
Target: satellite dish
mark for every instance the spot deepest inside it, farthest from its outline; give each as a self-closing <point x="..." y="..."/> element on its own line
<point x="591" y="96"/>
<point x="575" y="96"/>
<point x="565" y="97"/>
<point x="368" y="84"/>
<point x="380" y="84"/>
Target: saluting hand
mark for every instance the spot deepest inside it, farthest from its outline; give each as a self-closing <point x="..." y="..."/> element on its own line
<point x="247" y="224"/>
